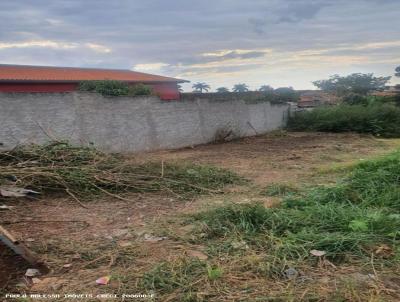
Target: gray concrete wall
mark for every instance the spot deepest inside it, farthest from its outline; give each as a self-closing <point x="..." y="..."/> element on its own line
<point x="126" y="124"/>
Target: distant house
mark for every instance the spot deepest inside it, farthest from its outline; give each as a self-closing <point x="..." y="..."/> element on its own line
<point x="23" y="78"/>
<point x="388" y="91"/>
<point x="314" y="98"/>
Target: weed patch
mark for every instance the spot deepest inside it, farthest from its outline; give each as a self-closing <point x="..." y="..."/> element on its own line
<point x="278" y="189"/>
<point x="179" y="277"/>
<point x="351" y="219"/>
<point x="379" y="119"/>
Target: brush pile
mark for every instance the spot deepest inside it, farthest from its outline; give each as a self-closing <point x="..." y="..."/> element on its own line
<point x="84" y="171"/>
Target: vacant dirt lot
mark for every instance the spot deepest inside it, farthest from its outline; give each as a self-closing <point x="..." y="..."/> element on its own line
<point x="126" y="238"/>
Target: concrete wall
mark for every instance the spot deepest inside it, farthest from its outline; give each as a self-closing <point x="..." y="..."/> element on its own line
<point x="126" y="124"/>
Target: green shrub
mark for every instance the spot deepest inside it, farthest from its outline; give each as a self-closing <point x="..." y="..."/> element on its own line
<point x="87" y="85"/>
<point x="378" y="119"/>
<point x="140" y="89"/>
<point x="114" y="88"/>
<point x="355" y="99"/>
<point x="366" y="100"/>
<point x="106" y="88"/>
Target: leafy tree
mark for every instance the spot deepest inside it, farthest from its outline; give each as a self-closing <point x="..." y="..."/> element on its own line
<point x="287" y="94"/>
<point x="222" y="89"/>
<point x="358" y="83"/>
<point x="200" y="86"/>
<point x="240" y="88"/>
<point x="266" y="88"/>
<point x="397" y="73"/>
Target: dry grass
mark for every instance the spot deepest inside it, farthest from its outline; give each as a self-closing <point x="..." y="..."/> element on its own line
<point x="85" y="172"/>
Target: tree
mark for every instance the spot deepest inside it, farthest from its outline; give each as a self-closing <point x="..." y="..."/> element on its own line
<point x="397" y="73"/>
<point x="222" y="89"/>
<point x="356" y="83"/>
<point x="200" y="86"/>
<point x="266" y="88"/>
<point x="287" y="94"/>
<point x="282" y="90"/>
<point x="180" y="89"/>
<point x="240" y="88"/>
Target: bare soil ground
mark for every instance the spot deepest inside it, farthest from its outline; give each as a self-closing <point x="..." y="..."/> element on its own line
<point x="123" y="239"/>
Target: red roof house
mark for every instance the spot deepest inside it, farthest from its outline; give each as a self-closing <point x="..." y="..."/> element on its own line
<point x="23" y="78"/>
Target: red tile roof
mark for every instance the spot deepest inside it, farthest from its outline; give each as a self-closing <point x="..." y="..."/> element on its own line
<point x="17" y="73"/>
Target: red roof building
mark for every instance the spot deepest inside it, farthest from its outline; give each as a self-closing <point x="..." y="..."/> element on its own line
<point x="22" y="78"/>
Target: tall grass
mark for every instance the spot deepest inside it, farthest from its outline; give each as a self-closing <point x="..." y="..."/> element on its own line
<point x="373" y="183"/>
<point x="377" y="119"/>
<point x="351" y="219"/>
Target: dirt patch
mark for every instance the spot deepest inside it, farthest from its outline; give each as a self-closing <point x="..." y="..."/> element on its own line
<point x="281" y="156"/>
<point x="12" y="268"/>
<point x="48" y="218"/>
<point x="80" y="245"/>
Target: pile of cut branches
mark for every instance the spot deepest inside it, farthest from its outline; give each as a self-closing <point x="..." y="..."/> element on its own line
<point x="84" y="171"/>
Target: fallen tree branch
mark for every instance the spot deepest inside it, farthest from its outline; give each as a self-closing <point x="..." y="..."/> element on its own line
<point x="111" y="194"/>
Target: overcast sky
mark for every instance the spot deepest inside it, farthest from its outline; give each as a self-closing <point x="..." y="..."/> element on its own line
<point x="220" y="42"/>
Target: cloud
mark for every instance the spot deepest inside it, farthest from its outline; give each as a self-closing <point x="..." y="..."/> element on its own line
<point x="151" y="67"/>
<point x="211" y="41"/>
<point x="98" y="48"/>
<point x="54" y="45"/>
<point x="234" y="54"/>
<point x="44" y="43"/>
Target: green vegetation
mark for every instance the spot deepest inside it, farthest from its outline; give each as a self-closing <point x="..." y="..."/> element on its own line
<point x="241" y="87"/>
<point x="377" y="119"/>
<point x="356" y="99"/>
<point x="358" y="111"/>
<point x="184" y="277"/>
<point x="140" y="89"/>
<point x="200" y="86"/>
<point x="277" y="189"/>
<point x="355" y="218"/>
<point x="356" y="83"/>
<point x="222" y="90"/>
<point x="83" y="171"/>
<point x="287" y="94"/>
<point x="180" y="275"/>
<point x="214" y="273"/>
<point x="266" y="88"/>
<point x="114" y="88"/>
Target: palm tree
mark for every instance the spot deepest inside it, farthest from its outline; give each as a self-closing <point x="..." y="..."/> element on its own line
<point x="200" y="86"/>
<point x="240" y="88"/>
<point x="222" y="89"/>
<point x="266" y="88"/>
